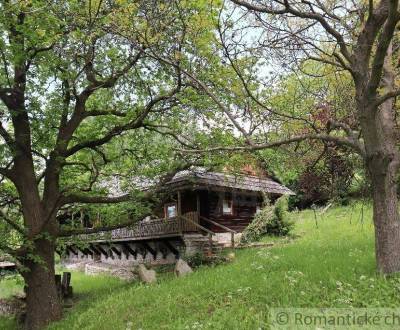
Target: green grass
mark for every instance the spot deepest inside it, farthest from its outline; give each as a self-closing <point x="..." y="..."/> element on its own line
<point x="329" y="266"/>
<point x="10" y="285"/>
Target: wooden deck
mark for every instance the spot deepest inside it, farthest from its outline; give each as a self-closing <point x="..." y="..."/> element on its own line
<point x="156" y="228"/>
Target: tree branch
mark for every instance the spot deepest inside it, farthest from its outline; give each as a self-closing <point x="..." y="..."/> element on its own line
<point x="117" y="130"/>
<point x="288" y="9"/>
<point x="324" y="137"/>
<point x="67" y="130"/>
<point x="386" y="97"/>
<point x="384" y="41"/>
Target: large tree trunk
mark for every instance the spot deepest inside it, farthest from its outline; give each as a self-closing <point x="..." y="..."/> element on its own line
<point x="382" y="163"/>
<point x="386" y="215"/>
<point x="43" y="304"/>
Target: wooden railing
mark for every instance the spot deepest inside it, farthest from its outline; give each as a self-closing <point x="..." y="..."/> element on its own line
<point x="158" y="228"/>
<point x="233" y="232"/>
<point x="145" y="229"/>
<point x="198" y="226"/>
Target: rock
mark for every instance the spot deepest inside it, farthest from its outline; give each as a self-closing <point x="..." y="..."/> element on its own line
<point x="182" y="268"/>
<point x="79" y="266"/>
<point x="146" y="275"/>
<point x="255" y="245"/>
<point x="230" y="257"/>
<point x="124" y="274"/>
<point x="99" y="268"/>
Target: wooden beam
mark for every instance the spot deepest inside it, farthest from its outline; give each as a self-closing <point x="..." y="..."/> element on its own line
<point x="82" y="250"/>
<point x="163" y="249"/>
<point x="117" y="252"/>
<point x="128" y="248"/>
<point x="110" y="251"/>
<point x="104" y="252"/>
<point x="150" y="249"/>
<point x="94" y="249"/>
<point x="89" y="251"/>
<point x="69" y="248"/>
<point x="172" y="249"/>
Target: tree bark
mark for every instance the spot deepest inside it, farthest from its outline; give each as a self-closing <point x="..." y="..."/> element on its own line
<point x="382" y="163"/>
<point x="386" y="217"/>
<point x="43" y="303"/>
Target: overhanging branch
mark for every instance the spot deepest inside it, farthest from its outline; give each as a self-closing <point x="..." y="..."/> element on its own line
<point x="118" y="130"/>
<point x="358" y="147"/>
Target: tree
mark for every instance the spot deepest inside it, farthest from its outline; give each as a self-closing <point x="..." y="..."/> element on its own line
<point x="354" y="37"/>
<point x="360" y="41"/>
<point x="74" y="79"/>
<point x="358" y="38"/>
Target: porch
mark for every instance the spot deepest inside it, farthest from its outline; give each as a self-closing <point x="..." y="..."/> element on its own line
<point x="161" y="228"/>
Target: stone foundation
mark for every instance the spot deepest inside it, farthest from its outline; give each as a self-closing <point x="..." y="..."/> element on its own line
<point x="104" y="257"/>
<point x="225" y="238"/>
<point x="125" y="254"/>
<point x="98" y="268"/>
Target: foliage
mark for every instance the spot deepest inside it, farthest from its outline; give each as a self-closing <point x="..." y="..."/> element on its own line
<point x="101" y="102"/>
<point x="10" y="284"/>
<point x="198" y="259"/>
<point x="195" y="260"/>
<point x="270" y="220"/>
<point x="316" y="170"/>
<point x="329" y="179"/>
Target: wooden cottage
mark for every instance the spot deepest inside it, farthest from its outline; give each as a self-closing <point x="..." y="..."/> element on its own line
<point x="205" y="210"/>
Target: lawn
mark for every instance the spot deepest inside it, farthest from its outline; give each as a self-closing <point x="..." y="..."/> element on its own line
<point x="329" y="264"/>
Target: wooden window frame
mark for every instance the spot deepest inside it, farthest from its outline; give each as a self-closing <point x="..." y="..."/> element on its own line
<point x="166" y="210"/>
<point x="229" y="200"/>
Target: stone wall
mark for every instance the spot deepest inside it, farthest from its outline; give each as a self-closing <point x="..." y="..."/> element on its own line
<point x="225" y="238"/>
<point x="120" y="256"/>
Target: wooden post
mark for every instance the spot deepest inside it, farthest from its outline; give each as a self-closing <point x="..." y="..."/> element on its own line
<point x="211" y="244"/>
<point x="58" y="285"/>
<point x="232" y="240"/>
<point x="198" y="205"/>
<point x="179" y="204"/>
<point x="179" y="211"/>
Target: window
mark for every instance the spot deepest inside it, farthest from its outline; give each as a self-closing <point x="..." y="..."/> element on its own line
<point x="170" y="210"/>
<point x="227" y="206"/>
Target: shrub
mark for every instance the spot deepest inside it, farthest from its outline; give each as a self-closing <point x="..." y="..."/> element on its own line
<point x="200" y="259"/>
<point x="328" y="179"/>
<point x="271" y="220"/>
<point x="195" y="260"/>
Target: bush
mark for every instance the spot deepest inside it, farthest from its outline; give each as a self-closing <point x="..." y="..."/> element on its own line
<point x="328" y="179"/>
<point x="271" y="220"/>
<point x="195" y="260"/>
<point x="200" y="259"/>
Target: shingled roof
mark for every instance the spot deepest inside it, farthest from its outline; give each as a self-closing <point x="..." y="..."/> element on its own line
<point x="216" y="179"/>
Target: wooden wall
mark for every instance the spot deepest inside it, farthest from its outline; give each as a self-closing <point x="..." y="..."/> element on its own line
<point x="244" y="209"/>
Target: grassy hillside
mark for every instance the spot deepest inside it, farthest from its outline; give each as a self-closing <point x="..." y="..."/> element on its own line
<point x="331" y="265"/>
